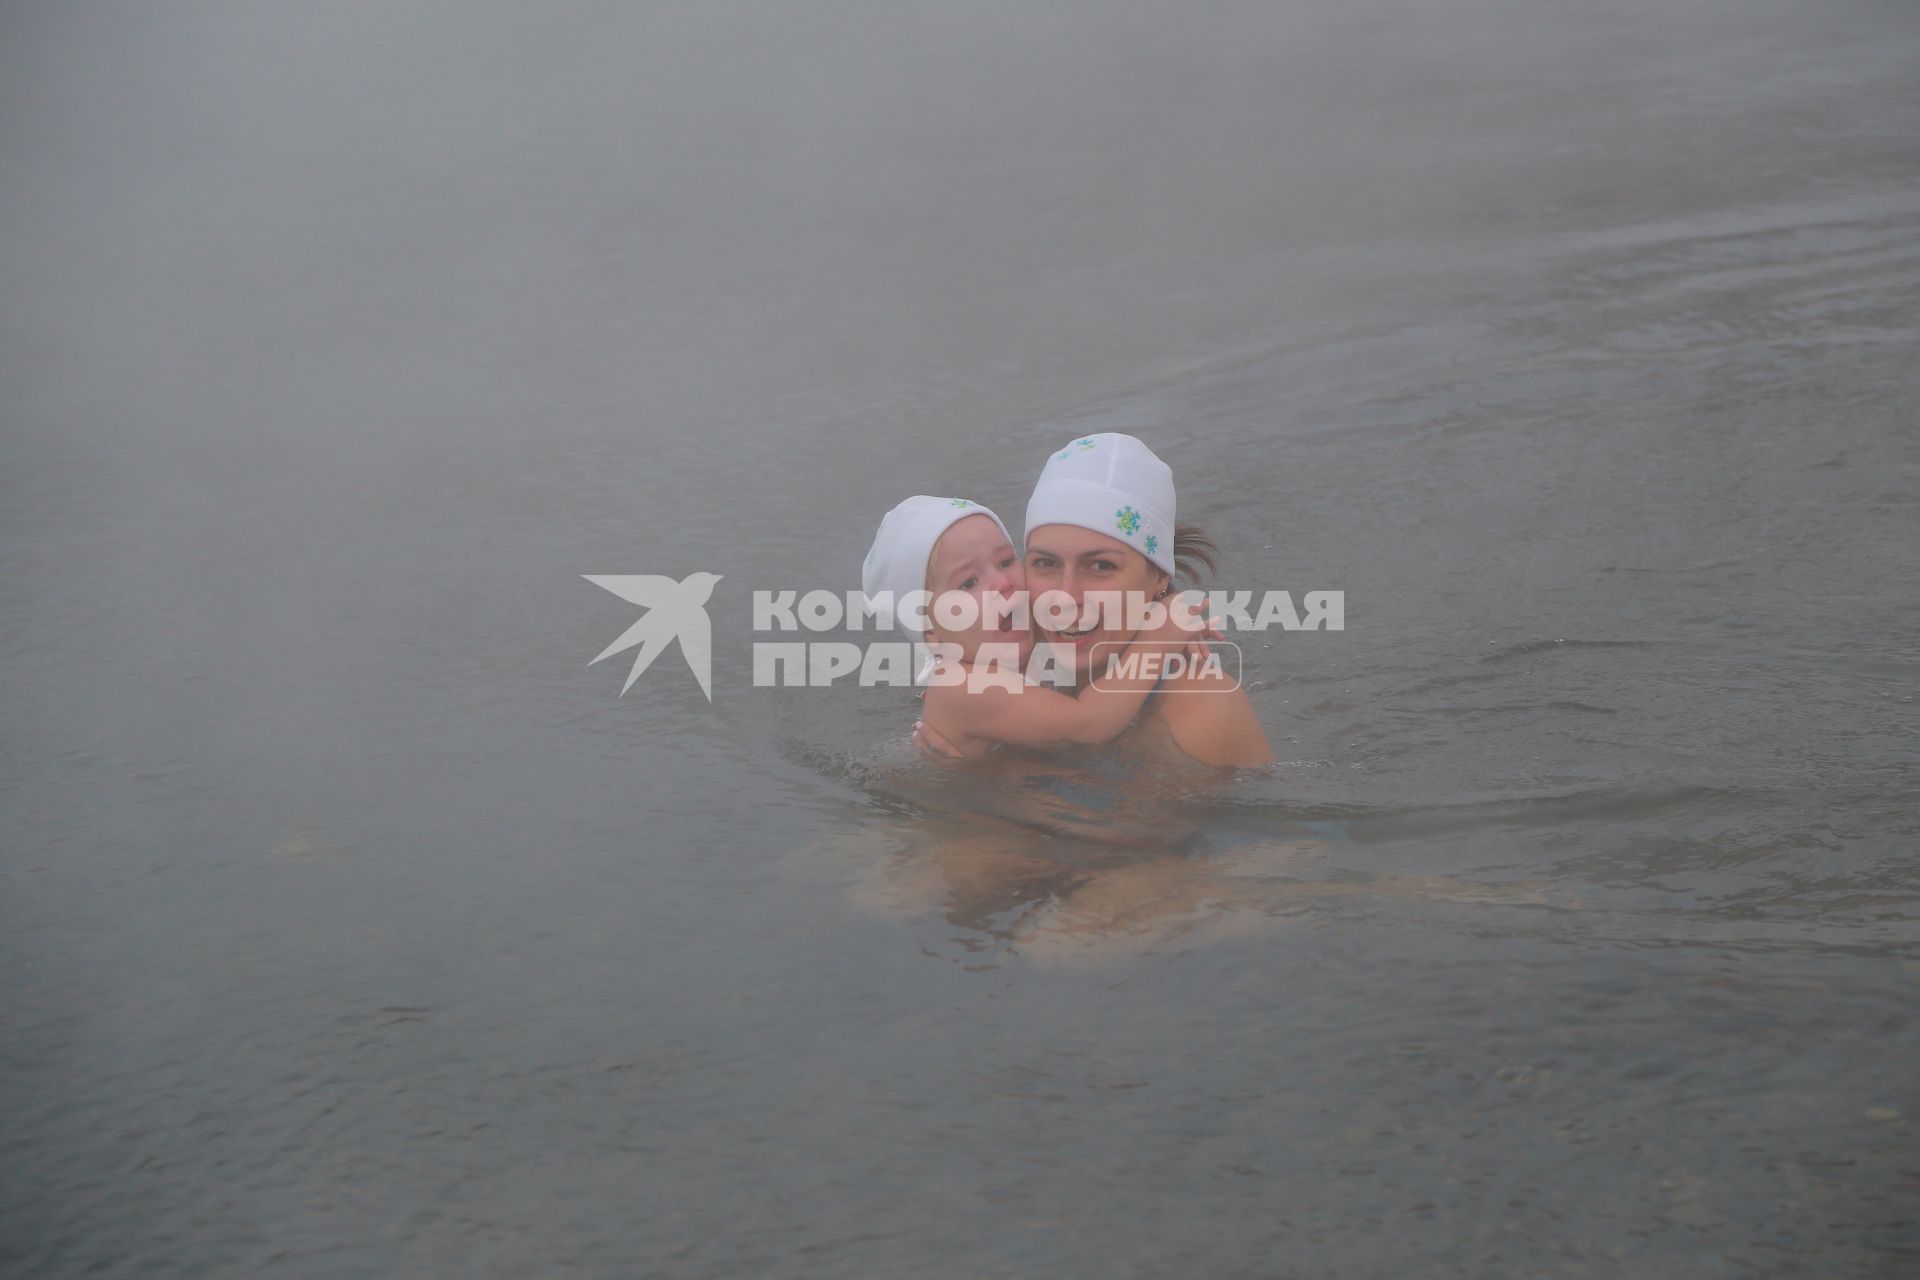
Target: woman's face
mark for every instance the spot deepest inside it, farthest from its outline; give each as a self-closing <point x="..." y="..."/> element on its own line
<point x="1076" y="561"/>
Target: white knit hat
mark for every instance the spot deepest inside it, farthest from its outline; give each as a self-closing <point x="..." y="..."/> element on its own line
<point x="1111" y="484"/>
<point x="897" y="561"/>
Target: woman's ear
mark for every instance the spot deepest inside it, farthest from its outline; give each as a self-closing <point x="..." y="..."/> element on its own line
<point x="1163" y="585"/>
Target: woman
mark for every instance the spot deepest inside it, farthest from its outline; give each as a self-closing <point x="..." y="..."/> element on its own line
<point x="1101" y="519"/>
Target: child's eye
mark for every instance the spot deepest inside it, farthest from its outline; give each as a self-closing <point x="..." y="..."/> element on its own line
<point x="1009" y="562"/>
<point x="969" y="584"/>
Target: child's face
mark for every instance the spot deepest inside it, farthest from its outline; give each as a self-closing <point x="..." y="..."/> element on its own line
<point x="973" y="558"/>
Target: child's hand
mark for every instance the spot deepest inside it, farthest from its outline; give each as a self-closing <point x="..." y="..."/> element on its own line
<point x="1196" y="645"/>
<point x="1199" y="642"/>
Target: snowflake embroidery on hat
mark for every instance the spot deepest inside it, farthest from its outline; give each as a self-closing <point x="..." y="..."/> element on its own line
<point x="1082" y="445"/>
<point x="959" y="502"/>
<point x="1153" y="545"/>
<point x="1127" y="520"/>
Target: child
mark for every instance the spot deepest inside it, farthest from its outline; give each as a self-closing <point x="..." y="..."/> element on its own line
<point x="950" y="545"/>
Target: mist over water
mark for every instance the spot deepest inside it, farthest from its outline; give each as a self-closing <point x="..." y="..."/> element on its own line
<point x="351" y="924"/>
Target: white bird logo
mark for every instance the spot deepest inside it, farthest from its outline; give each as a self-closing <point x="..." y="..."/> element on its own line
<point x="673" y="610"/>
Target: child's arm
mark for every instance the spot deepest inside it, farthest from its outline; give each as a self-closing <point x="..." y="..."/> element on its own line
<point x="1035" y="716"/>
<point x="930" y="741"/>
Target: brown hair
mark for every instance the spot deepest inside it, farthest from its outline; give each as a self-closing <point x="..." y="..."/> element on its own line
<point x="1193" y="552"/>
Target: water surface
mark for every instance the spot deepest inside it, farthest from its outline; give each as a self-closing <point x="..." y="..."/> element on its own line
<point x="354" y="926"/>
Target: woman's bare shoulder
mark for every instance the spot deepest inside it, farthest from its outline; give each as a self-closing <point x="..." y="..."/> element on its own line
<point x="1213" y="721"/>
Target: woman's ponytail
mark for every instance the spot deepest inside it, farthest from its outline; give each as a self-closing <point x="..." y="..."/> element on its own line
<point x="1194" y="552"/>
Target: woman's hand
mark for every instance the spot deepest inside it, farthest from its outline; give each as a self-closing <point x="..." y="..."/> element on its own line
<point x="931" y="743"/>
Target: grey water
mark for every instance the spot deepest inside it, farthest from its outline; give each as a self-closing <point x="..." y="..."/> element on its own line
<point x="352" y="924"/>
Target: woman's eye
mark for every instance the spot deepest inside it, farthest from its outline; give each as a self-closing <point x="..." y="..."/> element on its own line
<point x="1042" y="562"/>
<point x="1105" y="566"/>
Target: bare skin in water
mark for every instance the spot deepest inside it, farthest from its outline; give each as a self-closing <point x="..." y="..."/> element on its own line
<point x="1084" y="862"/>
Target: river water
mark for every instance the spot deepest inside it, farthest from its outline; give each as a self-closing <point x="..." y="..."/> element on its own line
<point x="354" y="925"/>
